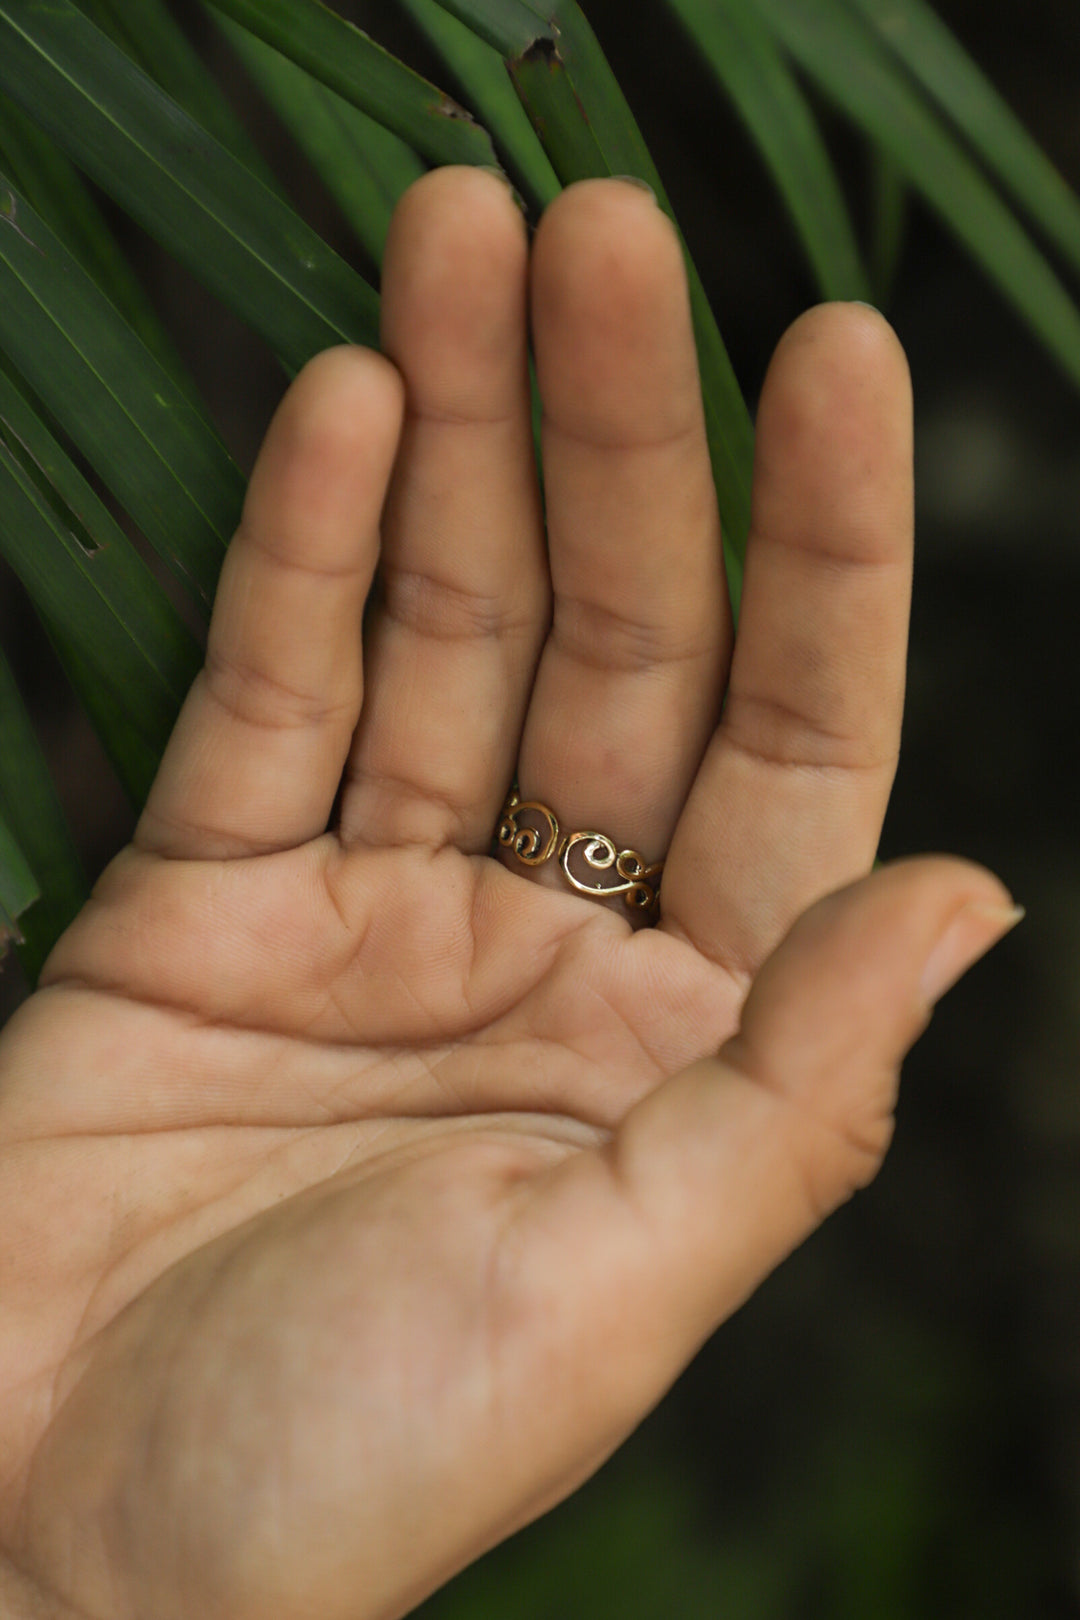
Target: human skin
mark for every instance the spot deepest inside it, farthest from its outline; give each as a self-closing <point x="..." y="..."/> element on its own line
<point x="360" y="1192"/>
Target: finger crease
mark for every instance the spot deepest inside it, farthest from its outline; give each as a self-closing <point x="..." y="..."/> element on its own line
<point x="799" y="755"/>
<point x="227" y="845"/>
<point x="299" y="565"/>
<point x="693" y="430"/>
<point x="740" y="970"/>
<point x="438" y="418"/>
<point x="808" y="544"/>
<point x="402" y="787"/>
<point x="257" y="699"/>
<point x="598" y="638"/>
<point x="439" y="611"/>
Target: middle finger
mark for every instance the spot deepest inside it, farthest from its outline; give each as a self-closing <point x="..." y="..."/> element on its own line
<point x="462" y="603"/>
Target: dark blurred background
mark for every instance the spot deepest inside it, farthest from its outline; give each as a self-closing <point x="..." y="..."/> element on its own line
<point x="891" y="1428"/>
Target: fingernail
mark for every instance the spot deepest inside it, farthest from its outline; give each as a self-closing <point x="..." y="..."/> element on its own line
<point x="968" y="937"/>
<point x="635" y="180"/>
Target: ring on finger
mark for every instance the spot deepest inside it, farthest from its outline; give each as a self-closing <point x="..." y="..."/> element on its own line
<point x="529" y="830"/>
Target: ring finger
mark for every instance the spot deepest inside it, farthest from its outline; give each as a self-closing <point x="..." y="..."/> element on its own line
<point x="629" y="684"/>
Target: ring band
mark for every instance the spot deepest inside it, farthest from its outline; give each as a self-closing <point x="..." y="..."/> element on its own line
<point x="534" y="845"/>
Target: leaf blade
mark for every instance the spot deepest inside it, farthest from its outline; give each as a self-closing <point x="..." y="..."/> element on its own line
<point x="133" y="755"/>
<point x="745" y="60"/>
<point x="34" y="543"/>
<point x="510" y="26"/>
<point x="237" y="236"/>
<point x="890" y="197"/>
<point x="365" y="167"/>
<point x="161" y="458"/>
<point x="53" y="186"/>
<point x="479" y="72"/>
<point x="938" y="62"/>
<point x="838" y="49"/>
<point x="153" y="38"/>
<point x="31" y="812"/>
<point x="347" y="61"/>
<point x="92" y="545"/>
<point x="19" y="888"/>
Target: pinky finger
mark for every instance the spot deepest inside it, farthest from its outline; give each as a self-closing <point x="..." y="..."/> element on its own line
<point x="256" y="758"/>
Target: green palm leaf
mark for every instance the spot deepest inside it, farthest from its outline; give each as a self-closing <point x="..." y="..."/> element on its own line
<point x="52" y="185"/>
<point x="943" y="68"/>
<point x="36" y="848"/>
<point x="345" y="59"/>
<point x="160" y="457"/>
<point x="182" y="186"/>
<point x="19" y="887"/>
<point x="102" y="601"/>
<point x="510" y="26"/>
<point x="364" y="166"/>
<point x="743" y="55"/>
<point x="890" y="196"/>
<point x="134" y="750"/>
<point x="151" y="642"/>
<point x="149" y="33"/>
<point x="840" y="51"/>
<point x="479" y="72"/>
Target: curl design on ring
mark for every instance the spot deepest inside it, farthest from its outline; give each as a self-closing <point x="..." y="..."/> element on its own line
<point x="530" y="832"/>
<point x="531" y="845"/>
<point x="638" y="884"/>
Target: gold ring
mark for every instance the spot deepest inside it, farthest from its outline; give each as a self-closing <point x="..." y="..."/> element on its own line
<point x="530" y="832"/>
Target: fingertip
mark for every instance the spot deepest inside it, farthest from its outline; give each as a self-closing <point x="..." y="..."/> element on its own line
<point x="874" y="340"/>
<point x="613" y="334"/>
<point x="840" y="363"/>
<point x="851" y="324"/>
<point x="332" y="441"/>
<point x="596" y="216"/>
<point x="454" y="296"/>
<point x="460" y="190"/>
<point x="449" y="222"/>
<point x="925" y="889"/>
<point x="967" y="938"/>
<point x="835" y="441"/>
<point x="851" y="971"/>
<point x="605" y="251"/>
<point x="342" y="395"/>
<point x="343" y="383"/>
<point x="604" y="191"/>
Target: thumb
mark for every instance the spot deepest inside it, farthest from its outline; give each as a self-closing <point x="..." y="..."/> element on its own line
<point x="713" y="1178"/>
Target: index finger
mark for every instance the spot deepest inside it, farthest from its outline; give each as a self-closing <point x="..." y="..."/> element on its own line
<point x="791" y="796"/>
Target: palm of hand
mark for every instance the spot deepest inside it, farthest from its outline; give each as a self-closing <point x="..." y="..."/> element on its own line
<point x="312" y="1188"/>
<point x="353" y="1211"/>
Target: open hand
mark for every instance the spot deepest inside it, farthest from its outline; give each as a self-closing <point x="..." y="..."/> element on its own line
<point x="360" y="1191"/>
